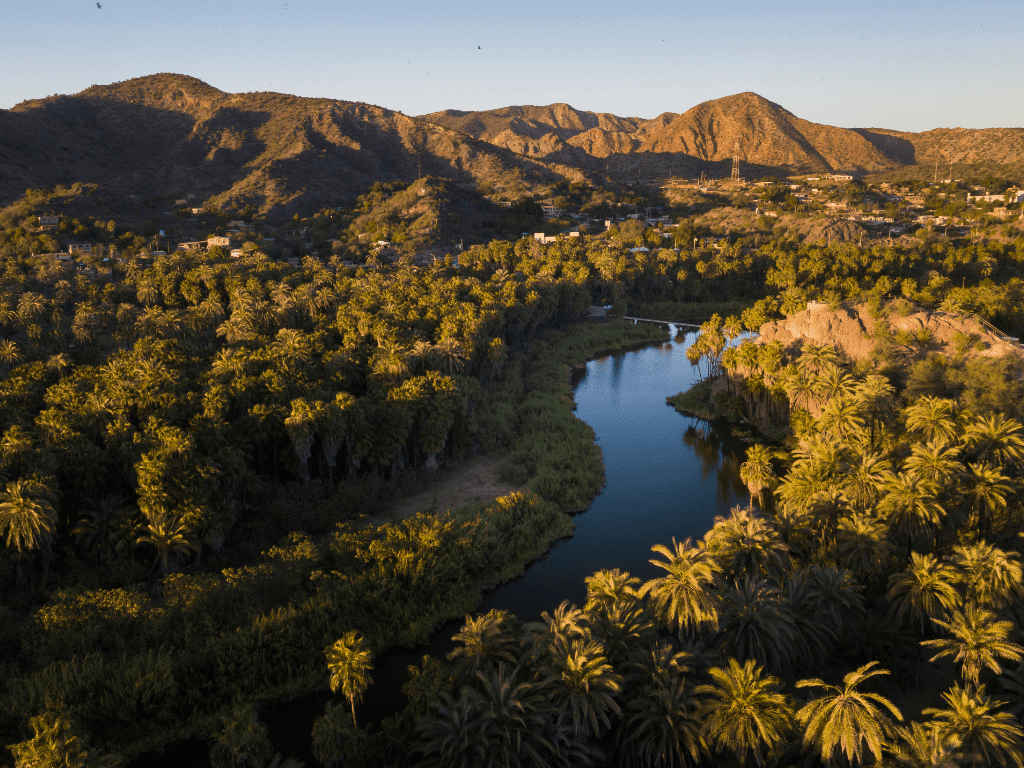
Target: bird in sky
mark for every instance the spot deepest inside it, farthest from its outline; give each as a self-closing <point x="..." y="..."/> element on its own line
<point x="98" y="5"/>
<point x="478" y="48"/>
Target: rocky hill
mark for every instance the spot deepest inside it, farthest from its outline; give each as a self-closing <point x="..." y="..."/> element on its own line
<point x="166" y="135"/>
<point x="170" y="134"/>
<point x="766" y="136"/>
<point x="855" y="332"/>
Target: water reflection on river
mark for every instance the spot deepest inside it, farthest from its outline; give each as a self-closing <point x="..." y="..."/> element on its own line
<point x="667" y="475"/>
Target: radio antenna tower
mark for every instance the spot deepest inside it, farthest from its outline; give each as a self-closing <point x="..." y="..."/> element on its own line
<point x="736" y="161"/>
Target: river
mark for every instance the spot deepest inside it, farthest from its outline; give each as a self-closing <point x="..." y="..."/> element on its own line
<point x="667" y="475"/>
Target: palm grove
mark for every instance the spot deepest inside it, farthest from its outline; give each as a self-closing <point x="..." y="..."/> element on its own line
<point x="236" y="416"/>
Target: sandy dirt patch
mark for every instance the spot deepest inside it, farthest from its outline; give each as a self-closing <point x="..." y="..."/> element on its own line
<point x="474" y="480"/>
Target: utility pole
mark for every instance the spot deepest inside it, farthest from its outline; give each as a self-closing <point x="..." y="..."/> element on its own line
<point x="736" y="161"/>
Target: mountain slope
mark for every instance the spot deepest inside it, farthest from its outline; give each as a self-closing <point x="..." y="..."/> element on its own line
<point x="167" y="134"/>
<point x="498" y="126"/>
<point x="763" y="134"/>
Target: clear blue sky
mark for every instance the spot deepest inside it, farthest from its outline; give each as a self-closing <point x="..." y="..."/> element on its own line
<point x="903" y="64"/>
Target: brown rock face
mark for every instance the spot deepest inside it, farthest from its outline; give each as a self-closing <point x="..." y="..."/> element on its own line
<point x="849" y="329"/>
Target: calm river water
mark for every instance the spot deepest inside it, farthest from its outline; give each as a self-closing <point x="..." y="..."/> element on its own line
<point x="666" y="475"/>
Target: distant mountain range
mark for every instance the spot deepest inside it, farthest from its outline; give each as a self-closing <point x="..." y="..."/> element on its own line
<point x="169" y="134"/>
<point x="760" y="132"/>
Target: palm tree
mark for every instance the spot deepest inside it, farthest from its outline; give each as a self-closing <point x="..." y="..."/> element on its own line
<point x="996" y="439"/>
<point x="977" y="641"/>
<point x="932" y="417"/>
<point x="845" y="720"/>
<point x="755" y="622"/>
<point x="864" y="480"/>
<point x="335" y="737"/>
<point x="683" y="598"/>
<point x="28" y="516"/>
<point x="242" y="742"/>
<point x="815" y="631"/>
<point x="800" y="387"/>
<point x="167" y="533"/>
<point x="349" y="661"/>
<point x="421" y="353"/>
<point x="757" y="472"/>
<point x="746" y="545"/>
<point x="291" y="346"/>
<point x="817" y="358"/>
<point x="662" y="725"/>
<point x="875" y="396"/>
<point x="301" y="425"/>
<point x="925" y="590"/>
<point x="426" y="684"/>
<point x="94" y="530"/>
<point x="842" y="418"/>
<point x="497" y="355"/>
<point x="55" y="743"/>
<point x="926" y="746"/>
<point x="910" y="507"/>
<point x="986" y="737"/>
<point x="862" y="545"/>
<point x="615" y="613"/>
<point x="584" y="688"/>
<point x="991" y="576"/>
<point x="558" y="629"/>
<point x="836" y="593"/>
<point x="452" y="736"/>
<point x="744" y="711"/>
<point x="9" y="353"/>
<point x="986" y="491"/>
<point x="484" y="641"/>
<point x="450" y="356"/>
<point x="512" y="717"/>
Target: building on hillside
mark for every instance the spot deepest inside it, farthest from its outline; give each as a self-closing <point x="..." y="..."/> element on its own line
<point x="49" y="221"/>
<point x="196" y="211"/>
<point x="197" y="245"/>
<point x="239" y="224"/>
<point x="840" y="177"/>
<point x="540" y="237"/>
<point x="237" y="253"/>
<point x="986" y="198"/>
<point x="79" y="247"/>
<point x="220" y="240"/>
<point x="551" y="211"/>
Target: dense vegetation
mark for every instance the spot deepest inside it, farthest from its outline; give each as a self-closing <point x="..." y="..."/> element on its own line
<point x="787" y="634"/>
<point x="193" y="449"/>
<point x="230" y="415"/>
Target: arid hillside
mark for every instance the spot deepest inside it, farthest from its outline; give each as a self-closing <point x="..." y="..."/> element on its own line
<point x="166" y="135"/>
<point x="706" y="137"/>
<point x="170" y="134"/>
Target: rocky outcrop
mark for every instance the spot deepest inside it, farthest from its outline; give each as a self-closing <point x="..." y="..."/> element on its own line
<point x="853" y="331"/>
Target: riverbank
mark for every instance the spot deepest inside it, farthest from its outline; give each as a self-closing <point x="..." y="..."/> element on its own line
<point x="702" y="401"/>
<point x="224" y="640"/>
